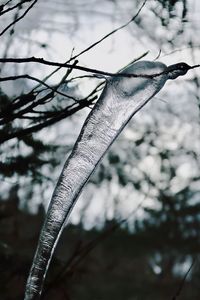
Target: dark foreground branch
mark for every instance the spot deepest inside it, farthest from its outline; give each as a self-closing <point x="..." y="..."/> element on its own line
<point x="68" y="111"/>
<point x="42" y="61"/>
<point x="18" y="19"/>
<point x="180" y="288"/>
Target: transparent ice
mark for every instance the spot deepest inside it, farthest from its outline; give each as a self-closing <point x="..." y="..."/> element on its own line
<point x="121" y="98"/>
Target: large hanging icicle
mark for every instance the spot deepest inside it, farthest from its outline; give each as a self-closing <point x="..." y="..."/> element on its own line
<point x="121" y="98"/>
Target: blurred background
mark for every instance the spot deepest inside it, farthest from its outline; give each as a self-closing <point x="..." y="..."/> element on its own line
<point x="135" y="231"/>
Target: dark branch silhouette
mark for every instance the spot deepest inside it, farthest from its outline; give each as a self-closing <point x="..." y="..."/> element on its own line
<point x="4" y="11"/>
<point x="19" y="18"/>
<point x="181" y="286"/>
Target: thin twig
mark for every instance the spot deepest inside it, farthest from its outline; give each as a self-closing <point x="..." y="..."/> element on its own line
<point x="110" y="33"/>
<point x="42" y="61"/>
<point x="62" y="115"/>
<point x="13" y="7"/>
<point x="93" y="76"/>
<point x="18" y="19"/>
<point x="180" y="288"/>
<point x="99" y="41"/>
<point x="81" y="68"/>
<point x="26" y="76"/>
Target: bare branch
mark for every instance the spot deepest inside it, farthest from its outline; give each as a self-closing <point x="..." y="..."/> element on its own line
<point x="180" y="288"/>
<point x="34" y="59"/>
<point x="18" y="19"/>
<point x="110" y="33"/>
<point x="26" y="76"/>
<point x="99" y="41"/>
<point x="68" y="111"/>
<point x="13" y="7"/>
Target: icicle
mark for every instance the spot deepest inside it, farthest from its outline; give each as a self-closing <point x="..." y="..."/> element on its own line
<point x="121" y="98"/>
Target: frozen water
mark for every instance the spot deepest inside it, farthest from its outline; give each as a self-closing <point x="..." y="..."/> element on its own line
<point x="121" y="98"/>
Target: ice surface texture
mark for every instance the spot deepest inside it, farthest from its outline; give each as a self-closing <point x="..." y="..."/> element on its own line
<point x="121" y="98"/>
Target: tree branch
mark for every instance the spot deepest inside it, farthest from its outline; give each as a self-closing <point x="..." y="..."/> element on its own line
<point x="99" y="41"/>
<point x="42" y="61"/>
<point x="109" y="34"/>
<point x="26" y="76"/>
<point x="18" y="19"/>
<point x="61" y="115"/>
<point x="175" y="297"/>
<point x="2" y="12"/>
